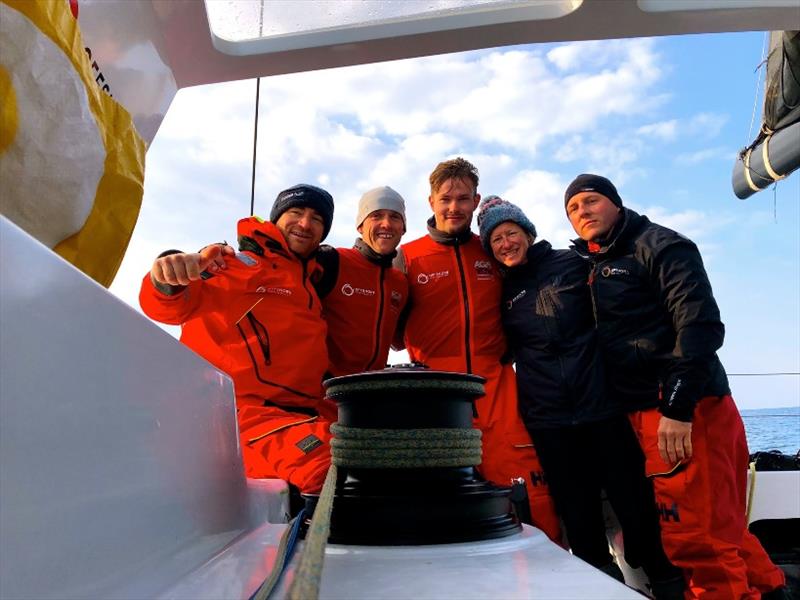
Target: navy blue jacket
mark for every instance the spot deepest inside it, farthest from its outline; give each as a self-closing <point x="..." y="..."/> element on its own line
<point x="658" y="322"/>
<point x="547" y="316"/>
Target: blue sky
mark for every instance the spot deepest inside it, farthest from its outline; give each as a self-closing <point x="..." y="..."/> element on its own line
<point x="662" y="117"/>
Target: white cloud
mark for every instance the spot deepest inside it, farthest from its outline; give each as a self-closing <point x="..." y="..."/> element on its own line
<point x="706" y="154"/>
<point x="591" y="55"/>
<point x="697" y="225"/>
<point x="540" y="195"/>
<point x="664" y="130"/>
<point x="707" y="125"/>
<point x="702" y="125"/>
<point x="530" y="118"/>
<point x="355" y="128"/>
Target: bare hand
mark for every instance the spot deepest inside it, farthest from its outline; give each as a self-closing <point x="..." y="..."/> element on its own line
<point x="674" y="440"/>
<point x="183" y="268"/>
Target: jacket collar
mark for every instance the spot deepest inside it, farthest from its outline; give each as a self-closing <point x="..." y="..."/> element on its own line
<point x="538" y="251"/>
<point x="448" y="239"/>
<point x="535" y="254"/>
<point x="257" y="236"/>
<point x="382" y="260"/>
<point x="630" y="223"/>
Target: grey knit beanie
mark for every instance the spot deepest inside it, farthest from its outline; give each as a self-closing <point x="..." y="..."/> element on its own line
<point x="493" y="211"/>
<point x="380" y="198"/>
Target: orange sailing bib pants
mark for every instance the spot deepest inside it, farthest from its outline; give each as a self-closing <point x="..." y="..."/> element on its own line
<point x="702" y="505"/>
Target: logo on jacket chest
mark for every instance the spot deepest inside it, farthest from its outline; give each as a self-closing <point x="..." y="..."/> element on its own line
<point x="277" y="291"/>
<point x="395" y="300"/>
<point x="484" y="270"/>
<point x="349" y="290"/>
<point x="424" y="278"/>
<point x="510" y="303"/>
<point x="614" y="271"/>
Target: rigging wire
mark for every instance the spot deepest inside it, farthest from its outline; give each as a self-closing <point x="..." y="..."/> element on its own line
<point x="763" y="63"/>
<point x="255" y="143"/>
<point x="255" y="123"/>
<point x="783" y="373"/>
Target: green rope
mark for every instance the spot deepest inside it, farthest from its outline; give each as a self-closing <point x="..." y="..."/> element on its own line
<point x="305" y="585"/>
<point x="370" y="449"/>
<point x="465" y="388"/>
<point x="405" y="448"/>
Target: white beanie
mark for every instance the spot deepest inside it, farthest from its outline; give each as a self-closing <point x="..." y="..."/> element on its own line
<point x="380" y="198"/>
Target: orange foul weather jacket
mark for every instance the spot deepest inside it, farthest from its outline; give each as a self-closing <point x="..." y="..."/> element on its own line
<point x="260" y="321"/>
<point x="453" y="324"/>
<point x="362" y="298"/>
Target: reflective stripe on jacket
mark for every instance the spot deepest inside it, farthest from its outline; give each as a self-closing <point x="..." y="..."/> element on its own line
<point x="259" y="321"/>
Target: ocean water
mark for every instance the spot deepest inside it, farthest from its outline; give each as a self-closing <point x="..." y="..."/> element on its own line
<point x="773" y="429"/>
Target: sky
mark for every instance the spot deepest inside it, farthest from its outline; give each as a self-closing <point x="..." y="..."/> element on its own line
<point x="662" y="117"/>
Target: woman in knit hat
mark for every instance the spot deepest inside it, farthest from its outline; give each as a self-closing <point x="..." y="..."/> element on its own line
<point x="583" y="438"/>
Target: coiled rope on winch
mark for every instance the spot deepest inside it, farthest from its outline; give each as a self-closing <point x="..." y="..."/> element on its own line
<point x="354" y="447"/>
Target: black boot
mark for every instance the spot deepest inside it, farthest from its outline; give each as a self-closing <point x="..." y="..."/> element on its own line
<point x="668" y="589"/>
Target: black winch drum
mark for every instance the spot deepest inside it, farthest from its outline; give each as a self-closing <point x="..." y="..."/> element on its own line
<point x="413" y="506"/>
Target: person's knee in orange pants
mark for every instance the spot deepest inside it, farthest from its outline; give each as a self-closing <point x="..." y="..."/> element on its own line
<point x="289" y="446"/>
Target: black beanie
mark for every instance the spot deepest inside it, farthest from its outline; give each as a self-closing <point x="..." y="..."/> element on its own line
<point x="305" y="195"/>
<point x="593" y="183"/>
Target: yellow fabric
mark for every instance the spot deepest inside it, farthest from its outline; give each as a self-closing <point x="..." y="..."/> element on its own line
<point x="9" y="120"/>
<point x="99" y="246"/>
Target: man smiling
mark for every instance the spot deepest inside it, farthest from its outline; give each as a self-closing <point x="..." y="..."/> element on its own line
<point x="362" y="295"/>
<point x="453" y="324"/>
<point x="255" y="315"/>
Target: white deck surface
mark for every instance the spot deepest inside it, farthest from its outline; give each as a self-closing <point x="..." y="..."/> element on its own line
<point x="526" y="565"/>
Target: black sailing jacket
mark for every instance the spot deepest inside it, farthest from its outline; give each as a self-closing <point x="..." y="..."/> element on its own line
<point x="547" y="317"/>
<point x="658" y="322"/>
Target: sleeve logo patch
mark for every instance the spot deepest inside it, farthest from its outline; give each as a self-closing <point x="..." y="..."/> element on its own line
<point x="309" y="443"/>
<point x="248" y="260"/>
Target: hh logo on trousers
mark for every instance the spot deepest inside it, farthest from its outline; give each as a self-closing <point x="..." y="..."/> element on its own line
<point x="667" y="512"/>
<point x="537" y="478"/>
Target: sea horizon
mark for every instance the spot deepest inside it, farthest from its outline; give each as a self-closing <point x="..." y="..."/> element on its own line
<point x="772" y="428"/>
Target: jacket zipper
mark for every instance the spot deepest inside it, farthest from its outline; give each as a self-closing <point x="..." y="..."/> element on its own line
<point x="568" y="389"/>
<point x="466" y="307"/>
<point x="591" y="293"/>
<point x="305" y="277"/>
<point x="258" y="372"/>
<point x="380" y="318"/>
<point x="546" y="303"/>
<point x="262" y="335"/>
